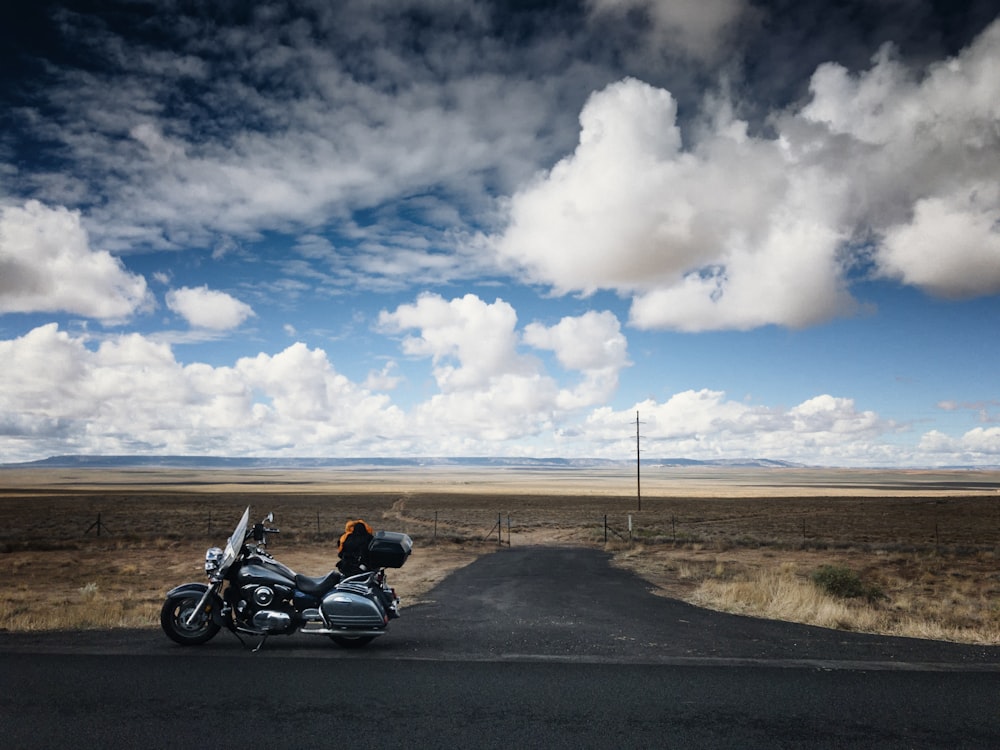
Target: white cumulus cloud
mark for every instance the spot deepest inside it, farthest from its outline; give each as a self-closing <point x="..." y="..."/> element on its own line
<point x="736" y="230"/>
<point x="926" y="159"/>
<point x="208" y="308"/>
<point x="591" y="343"/>
<point x="730" y="235"/>
<point x="951" y="246"/>
<point x="58" y="394"/>
<point x="131" y="395"/>
<point x="705" y="424"/>
<point x="470" y="341"/>
<point x="48" y="265"/>
<point x="490" y="388"/>
<point x="972" y="447"/>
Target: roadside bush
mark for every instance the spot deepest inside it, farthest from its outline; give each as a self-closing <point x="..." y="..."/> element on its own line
<point x="844" y="583"/>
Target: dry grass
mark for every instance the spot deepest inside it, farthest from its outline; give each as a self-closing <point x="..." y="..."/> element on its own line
<point x="933" y="555"/>
<point x="783" y="593"/>
<point x="923" y="594"/>
<point x="123" y="585"/>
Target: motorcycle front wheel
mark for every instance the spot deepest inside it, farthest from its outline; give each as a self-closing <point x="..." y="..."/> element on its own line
<point x="174" y="620"/>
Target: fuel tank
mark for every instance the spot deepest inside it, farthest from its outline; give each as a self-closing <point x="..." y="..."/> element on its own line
<point x="260" y="572"/>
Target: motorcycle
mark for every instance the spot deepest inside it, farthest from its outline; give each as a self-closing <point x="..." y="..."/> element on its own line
<point x="251" y="593"/>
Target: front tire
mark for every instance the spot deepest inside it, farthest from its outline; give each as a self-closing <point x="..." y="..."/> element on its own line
<point x="357" y="642"/>
<point x="174" y="615"/>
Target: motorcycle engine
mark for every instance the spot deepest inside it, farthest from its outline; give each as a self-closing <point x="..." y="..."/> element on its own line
<point x="263" y="595"/>
<point x="271" y="621"/>
<point x="265" y="608"/>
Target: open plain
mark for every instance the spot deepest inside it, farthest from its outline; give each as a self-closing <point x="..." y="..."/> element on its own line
<point x="88" y="548"/>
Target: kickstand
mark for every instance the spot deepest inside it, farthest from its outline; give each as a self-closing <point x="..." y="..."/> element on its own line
<point x="253" y="650"/>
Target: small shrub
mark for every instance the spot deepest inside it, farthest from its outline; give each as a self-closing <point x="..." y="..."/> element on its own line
<point x="88" y="592"/>
<point x="844" y="583"/>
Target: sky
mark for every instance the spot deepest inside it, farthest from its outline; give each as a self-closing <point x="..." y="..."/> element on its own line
<point x="406" y="228"/>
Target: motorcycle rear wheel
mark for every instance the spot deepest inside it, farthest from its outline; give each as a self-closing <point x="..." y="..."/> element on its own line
<point x="356" y="642"/>
<point x="173" y="620"/>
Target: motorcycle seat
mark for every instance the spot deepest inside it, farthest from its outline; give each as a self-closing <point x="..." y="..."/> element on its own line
<point x="317" y="586"/>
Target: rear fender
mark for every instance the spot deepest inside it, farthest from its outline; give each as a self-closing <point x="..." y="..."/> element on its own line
<point x="199" y="590"/>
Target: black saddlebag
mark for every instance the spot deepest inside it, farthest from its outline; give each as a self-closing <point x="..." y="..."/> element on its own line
<point x="389" y="549"/>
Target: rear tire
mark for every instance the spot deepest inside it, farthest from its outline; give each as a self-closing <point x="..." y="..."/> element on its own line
<point x="356" y="642"/>
<point x="174" y="615"/>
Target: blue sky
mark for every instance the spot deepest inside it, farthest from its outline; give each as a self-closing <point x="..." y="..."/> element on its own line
<point x="457" y="228"/>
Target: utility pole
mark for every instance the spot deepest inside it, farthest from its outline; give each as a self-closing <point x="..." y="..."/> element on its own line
<point x="638" y="483"/>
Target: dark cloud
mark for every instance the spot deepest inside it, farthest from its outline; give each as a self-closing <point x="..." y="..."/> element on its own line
<point x="784" y="43"/>
<point x="117" y="107"/>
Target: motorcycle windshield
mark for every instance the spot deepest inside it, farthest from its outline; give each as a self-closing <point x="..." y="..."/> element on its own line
<point x="235" y="543"/>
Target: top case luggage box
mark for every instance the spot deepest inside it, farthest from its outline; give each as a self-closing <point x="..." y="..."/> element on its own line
<point x="389" y="549"/>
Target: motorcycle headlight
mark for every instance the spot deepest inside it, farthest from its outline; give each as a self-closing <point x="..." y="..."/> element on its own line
<point x="213" y="558"/>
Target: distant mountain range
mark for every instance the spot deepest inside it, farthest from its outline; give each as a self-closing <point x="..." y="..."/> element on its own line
<point x="219" y="462"/>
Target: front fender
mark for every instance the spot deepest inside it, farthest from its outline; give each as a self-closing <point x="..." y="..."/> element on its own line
<point x="188" y="588"/>
<point x="199" y="590"/>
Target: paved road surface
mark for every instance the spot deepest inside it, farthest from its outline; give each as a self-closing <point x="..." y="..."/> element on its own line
<point x="528" y="647"/>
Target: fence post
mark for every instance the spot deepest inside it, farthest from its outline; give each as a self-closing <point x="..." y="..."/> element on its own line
<point x="605" y="528"/>
<point x="96" y="525"/>
<point x="495" y="526"/>
<point x="499" y="530"/>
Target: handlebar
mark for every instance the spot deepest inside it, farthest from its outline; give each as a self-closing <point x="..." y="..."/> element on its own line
<point x="259" y="532"/>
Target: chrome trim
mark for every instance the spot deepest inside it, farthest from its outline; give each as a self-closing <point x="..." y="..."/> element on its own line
<point x="348" y="633"/>
<point x="360" y="589"/>
<point x="201" y="603"/>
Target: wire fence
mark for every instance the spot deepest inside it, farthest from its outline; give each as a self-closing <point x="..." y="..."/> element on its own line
<point x="952" y="524"/>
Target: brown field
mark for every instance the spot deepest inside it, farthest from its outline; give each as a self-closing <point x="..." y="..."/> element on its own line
<point x="925" y="544"/>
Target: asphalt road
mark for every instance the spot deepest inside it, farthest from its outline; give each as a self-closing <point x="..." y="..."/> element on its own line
<point x="532" y="647"/>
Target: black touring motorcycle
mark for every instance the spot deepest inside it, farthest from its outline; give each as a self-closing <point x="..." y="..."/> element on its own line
<point x="250" y="592"/>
